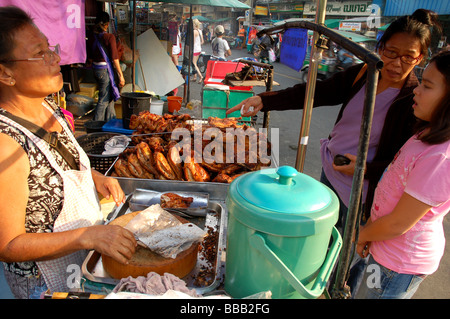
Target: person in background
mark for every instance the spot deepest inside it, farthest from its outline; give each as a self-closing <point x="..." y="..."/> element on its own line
<point x="221" y="49"/>
<point x="176" y="46"/>
<point x="210" y="33"/>
<point x="102" y="54"/>
<point x="345" y="58"/>
<point x="405" y="235"/>
<point x="198" y="41"/>
<point x="241" y="36"/>
<point x="176" y="41"/>
<point x="50" y="214"/>
<point x="265" y="45"/>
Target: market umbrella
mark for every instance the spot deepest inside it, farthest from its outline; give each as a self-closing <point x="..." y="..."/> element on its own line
<point x="201" y="18"/>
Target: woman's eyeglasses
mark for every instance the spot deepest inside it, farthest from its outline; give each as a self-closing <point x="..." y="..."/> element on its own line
<point x="404" y="58"/>
<point x="48" y="57"/>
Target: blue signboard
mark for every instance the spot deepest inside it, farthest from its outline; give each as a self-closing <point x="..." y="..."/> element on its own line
<point x="293" y="48"/>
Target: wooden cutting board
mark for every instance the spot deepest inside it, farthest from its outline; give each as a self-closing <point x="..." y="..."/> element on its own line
<point x="145" y="261"/>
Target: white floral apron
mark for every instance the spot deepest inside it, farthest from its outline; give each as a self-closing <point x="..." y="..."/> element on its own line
<point x="81" y="208"/>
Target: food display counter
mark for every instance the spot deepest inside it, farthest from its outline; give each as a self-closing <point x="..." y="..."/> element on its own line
<point x="208" y="273"/>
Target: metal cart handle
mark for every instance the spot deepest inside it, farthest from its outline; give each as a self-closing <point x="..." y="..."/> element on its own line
<point x="258" y="242"/>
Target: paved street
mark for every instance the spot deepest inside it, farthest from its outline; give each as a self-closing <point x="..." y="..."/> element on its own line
<point x="288" y="123"/>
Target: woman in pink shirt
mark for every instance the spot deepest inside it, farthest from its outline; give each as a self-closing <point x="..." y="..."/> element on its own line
<point x="404" y="234"/>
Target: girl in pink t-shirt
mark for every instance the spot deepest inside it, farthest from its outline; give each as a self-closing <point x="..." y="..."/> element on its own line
<point x="404" y="234"/>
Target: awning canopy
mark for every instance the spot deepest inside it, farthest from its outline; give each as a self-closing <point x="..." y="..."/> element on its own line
<point x="401" y="8"/>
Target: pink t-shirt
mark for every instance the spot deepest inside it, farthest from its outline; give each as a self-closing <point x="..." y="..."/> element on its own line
<point x="422" y="171"/>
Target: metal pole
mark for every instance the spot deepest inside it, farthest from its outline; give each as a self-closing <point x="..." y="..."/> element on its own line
<point x="191" y="50"/>
<point x="316" y="56"/>
<point x="269" y="86"/>
<point x="133" y="44"/>
<point x="338" y="290"/>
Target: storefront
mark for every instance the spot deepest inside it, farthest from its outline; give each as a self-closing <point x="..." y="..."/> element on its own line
<point x="345" y="9"/>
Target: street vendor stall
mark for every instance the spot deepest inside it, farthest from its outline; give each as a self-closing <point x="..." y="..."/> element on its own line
<point x="248" y="205"/>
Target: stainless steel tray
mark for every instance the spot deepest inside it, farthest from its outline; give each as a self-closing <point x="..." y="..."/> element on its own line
<point x="215" y="221"/>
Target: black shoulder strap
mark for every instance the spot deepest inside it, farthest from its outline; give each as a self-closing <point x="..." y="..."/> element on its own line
<point x="50" y="138"/>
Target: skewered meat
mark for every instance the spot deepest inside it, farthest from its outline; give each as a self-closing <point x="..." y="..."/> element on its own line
<point x="194" y="172"/>
<point x="171" y="200"/>
<point x="222" y="178"/>
<point x="224" y="123"/>
<point x="145" y="157"/>
<point x="163" y="166"/>
<point x="134" y="167"/>
<point x="174" y="159"/>
<point x="231" y="168"/>
<point x="148" y="123"/>
<point x="156" y="143"/>
<point x="121" y="168"/>
<point x="220" y="157"/>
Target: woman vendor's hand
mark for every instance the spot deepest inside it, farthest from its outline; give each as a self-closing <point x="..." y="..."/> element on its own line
<point x="347" y="169"/>
<point x="244" y="106"/>
<point x="108" y="186"/>
<point x="112" y="240"/>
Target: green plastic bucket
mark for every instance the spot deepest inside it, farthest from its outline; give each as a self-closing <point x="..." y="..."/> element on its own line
<point x="279" y="227"/>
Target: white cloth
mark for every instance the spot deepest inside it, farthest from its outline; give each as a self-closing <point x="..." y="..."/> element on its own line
<point x="81" y="208"/>
<point x="154" y="284"/>
<point x="198" y="42"/>
<point x="176" y="48"/>
<point x="219" y="47"/>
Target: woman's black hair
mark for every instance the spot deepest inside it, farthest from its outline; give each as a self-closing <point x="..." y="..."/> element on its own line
<point x="12" y="19"/>
<point x="103" y="17"/>
<point x="439" y="125"/>
<point x="418" y="25"/>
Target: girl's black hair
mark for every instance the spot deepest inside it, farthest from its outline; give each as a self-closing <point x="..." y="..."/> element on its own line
<point x="439" y="125"/>
<point x="418" y="25"/>
<point x="12" y="19"/>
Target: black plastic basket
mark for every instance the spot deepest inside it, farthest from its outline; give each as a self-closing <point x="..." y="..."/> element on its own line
<point x="94" y="145"/>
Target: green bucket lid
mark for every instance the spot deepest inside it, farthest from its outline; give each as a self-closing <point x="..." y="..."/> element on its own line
<point x="282" y="201"/>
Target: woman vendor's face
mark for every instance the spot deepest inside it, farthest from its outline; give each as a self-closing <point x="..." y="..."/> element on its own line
<point x="429" y="93"/>
<point x="34" y="78"/>
<point x="395" y="70"/>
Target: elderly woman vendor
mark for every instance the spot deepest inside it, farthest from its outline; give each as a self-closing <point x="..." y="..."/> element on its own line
<point x="49" y="212"/>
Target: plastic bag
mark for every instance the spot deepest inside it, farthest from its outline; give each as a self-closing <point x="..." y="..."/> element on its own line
<point x="116" y="145"/>
<point x="163" y="233"/>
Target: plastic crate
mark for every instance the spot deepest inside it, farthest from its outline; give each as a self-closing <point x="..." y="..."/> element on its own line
<point x="216" y="102"/>
<point x="116" y="126"/>
<point x="219" y="69"/>
<point x="94" y="145"/>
